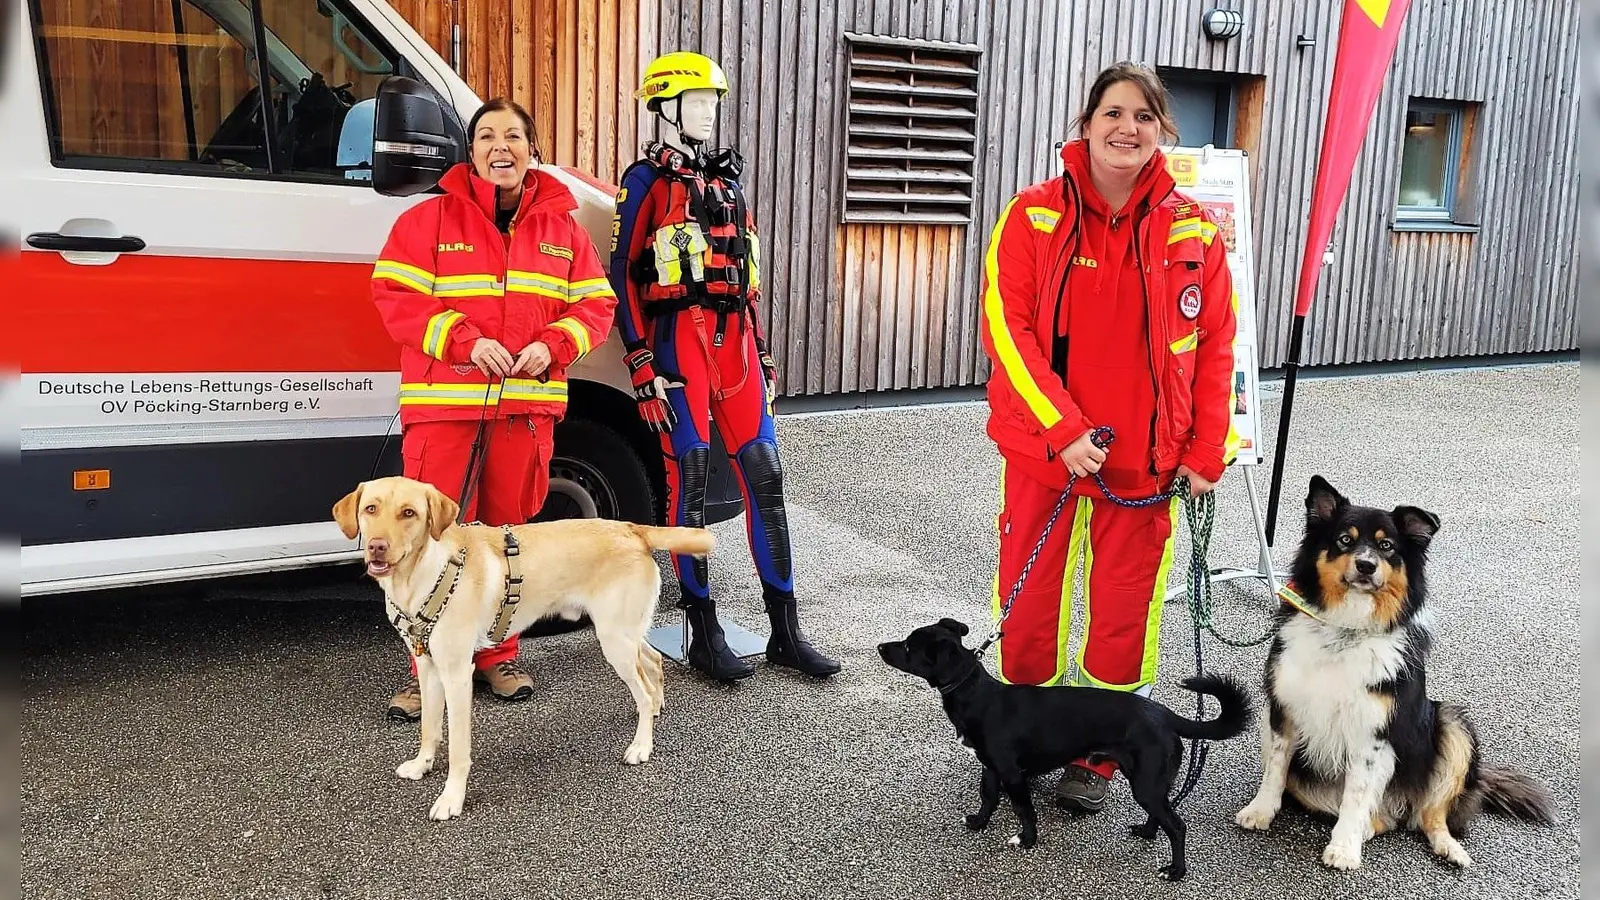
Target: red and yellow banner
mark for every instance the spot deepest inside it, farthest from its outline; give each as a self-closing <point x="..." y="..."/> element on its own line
<point x="1367" y="39"/>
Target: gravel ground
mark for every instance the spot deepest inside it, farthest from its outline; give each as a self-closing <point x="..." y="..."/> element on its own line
<point x="227" y="739"/>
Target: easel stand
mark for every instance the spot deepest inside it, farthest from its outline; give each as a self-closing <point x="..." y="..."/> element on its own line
<point x="1263" y="569"/>
<point x="672" y="639"/>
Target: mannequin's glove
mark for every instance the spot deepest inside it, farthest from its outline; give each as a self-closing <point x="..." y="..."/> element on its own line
<point x="650" y="390"/>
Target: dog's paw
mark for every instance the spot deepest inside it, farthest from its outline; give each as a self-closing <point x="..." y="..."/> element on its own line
<point x="414" y="769"/>
<point x="1451" y="849"/>
<point x="448" y="806"/>
<point x="977" y="822"/>
<point x="1147" y="830"/>
<point x="1342" y="856"/>
<point x="1173" y="871"/>
<point x="1023" y="841"/>
<point x="638" y="752"/>
<point x="1256" y="817"/>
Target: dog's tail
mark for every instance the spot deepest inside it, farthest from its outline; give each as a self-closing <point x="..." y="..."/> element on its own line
<point x="1516" y="794"/>
<point x="1234" y="718"/>
<point x="689" y="541"/>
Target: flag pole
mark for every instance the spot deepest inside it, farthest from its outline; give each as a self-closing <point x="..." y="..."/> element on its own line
<point x="1284" y="415"/>
<point x="1368" y="34"/>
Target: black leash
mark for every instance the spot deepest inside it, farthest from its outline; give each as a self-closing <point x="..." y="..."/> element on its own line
<point x="1200" y="513"/>
<point x="480" y="452"/>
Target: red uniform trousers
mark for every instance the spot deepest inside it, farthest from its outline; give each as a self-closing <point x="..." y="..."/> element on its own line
<point x="512" y="481"/>
<point x="725" y="384"/>
<point x="1125" y="554"/>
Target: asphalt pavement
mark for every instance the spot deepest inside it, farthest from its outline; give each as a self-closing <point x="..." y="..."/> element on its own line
<point x="227" y="739"/>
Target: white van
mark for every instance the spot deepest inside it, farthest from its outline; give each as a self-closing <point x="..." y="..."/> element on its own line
<point x="202" y="371"/>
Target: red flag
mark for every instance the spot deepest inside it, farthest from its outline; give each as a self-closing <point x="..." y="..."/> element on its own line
<point x="1367" y="39"/>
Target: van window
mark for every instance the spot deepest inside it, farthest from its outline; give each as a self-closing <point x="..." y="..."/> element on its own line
<point x="174" y="87"/>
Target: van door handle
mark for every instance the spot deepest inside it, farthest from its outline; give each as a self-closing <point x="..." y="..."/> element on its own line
<point x="54" y="240"/>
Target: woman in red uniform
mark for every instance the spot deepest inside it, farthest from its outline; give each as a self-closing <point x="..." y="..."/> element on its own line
<point x="492" y="291"/>
<point x="1107" y="302"/>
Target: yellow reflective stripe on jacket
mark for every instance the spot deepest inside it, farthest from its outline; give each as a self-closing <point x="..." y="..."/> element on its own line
<point x="1194" y="226"/>
<point x="467" y="285"/>
<point x="588" y="288"/>
<point x="537" y="283"/>
<point x="435" y="336"/>
<point x="580" y="335"/>
<point x="410" y="276"/>
<point x="530" y="389"/>
<point x="755" y="262"/>
<point x="1185" y="344"/>
<point x="1043" y="218"/>
<point x="424" y="394"/>
<point x="994" y="311"/>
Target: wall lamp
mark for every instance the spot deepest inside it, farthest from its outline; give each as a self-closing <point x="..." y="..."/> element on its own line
<point x="1221" y="24"/>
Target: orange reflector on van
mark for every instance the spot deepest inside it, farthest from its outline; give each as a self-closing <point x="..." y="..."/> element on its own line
<point x="91" y="479"/>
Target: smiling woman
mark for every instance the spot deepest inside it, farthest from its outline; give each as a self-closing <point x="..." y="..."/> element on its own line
<point x="1107" y="312"/>
<point x="493" y="291"/>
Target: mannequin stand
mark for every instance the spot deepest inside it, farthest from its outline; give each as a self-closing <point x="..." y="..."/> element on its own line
<point x="672" y="639"/>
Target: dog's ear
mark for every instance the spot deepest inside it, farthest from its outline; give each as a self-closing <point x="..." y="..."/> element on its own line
<point x="1323" y="502"/>
<point x="441" y="512"/>
<point x="958" y="627"/>
<point x="344" y="512"/>
<point x="1417" y="524"/>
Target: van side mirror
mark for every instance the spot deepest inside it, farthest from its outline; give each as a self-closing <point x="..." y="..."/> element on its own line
<point x="411" y="146"/>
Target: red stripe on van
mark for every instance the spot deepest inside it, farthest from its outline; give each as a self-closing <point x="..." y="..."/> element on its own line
<point x="194" y="314"/>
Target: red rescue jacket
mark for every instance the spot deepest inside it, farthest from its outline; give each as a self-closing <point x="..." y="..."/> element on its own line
<point x="1189" y="305"/>
<point x="448" y="276"/>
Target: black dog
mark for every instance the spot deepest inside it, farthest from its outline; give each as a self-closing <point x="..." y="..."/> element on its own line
<point x="1021" y="731"/>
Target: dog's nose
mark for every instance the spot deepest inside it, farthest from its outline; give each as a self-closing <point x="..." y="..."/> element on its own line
<point x="1366" y="566"/>
<point x="377" y="547"/>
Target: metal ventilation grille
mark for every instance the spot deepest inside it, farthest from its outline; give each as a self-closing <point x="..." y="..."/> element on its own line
<point x="912" y="131"/>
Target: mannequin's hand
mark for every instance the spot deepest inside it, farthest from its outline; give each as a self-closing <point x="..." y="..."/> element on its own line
<point x="650" y="390"/>
<point x="492" y="358"/>
<point x="533" y="359"/>
<point x="1083" y="457"/>
<point x="1197" y="484"/>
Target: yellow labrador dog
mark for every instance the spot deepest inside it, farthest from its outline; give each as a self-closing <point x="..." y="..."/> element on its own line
<point x="421" y="557"/>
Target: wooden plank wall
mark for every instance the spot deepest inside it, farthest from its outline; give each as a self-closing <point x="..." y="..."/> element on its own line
<point x="877" y="307"/>
<point x="573" y="63"/>
<point x="881" y="311"/>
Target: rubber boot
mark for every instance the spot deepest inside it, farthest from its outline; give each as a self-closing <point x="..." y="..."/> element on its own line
<point x="708" y="647"/>
<point x="788" y="646"/>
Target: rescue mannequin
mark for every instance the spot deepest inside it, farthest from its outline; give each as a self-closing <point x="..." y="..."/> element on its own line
<point x="685" y="261"/>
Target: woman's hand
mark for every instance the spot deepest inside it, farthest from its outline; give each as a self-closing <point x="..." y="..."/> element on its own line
<point x="1197" y="485"/>
<point x="492" y="358"/>
<point x="533" y="359"/>
<point x="1082" y="456"/>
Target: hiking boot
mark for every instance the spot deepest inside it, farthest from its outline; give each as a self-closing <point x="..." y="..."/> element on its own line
<point x="406" y="704"/>
<point x="1082" y="789"/>
<point x="507" y="681"/>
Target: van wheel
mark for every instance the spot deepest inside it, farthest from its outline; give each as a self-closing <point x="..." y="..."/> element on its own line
<point x="595" y="473"/>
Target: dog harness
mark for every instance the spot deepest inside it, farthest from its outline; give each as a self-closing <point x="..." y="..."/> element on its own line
<point x="416" y="630"/>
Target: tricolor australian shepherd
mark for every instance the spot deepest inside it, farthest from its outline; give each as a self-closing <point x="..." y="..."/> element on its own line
<point x="1351" y="731"/>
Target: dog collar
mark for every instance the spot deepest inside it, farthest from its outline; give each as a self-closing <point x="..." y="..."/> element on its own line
<point x="1292" y="597"/>
<point x="945" y="689"/>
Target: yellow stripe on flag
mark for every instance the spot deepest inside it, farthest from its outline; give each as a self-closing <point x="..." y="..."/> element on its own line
<point x="1376" y="10"/>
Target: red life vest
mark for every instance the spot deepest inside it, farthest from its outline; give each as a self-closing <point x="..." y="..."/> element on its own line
<point x="703" y="250"/>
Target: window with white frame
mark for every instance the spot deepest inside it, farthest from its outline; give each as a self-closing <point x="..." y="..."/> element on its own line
<point x="1435" y="161"/>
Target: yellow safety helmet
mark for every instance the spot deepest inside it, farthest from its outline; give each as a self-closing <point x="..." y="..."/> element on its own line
<point x="671" y="74"/>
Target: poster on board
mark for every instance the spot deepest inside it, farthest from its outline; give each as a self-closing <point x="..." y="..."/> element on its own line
<point x="1219" y="180"/>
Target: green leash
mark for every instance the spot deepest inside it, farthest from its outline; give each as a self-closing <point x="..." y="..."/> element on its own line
<point x="1201" y="513"/>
